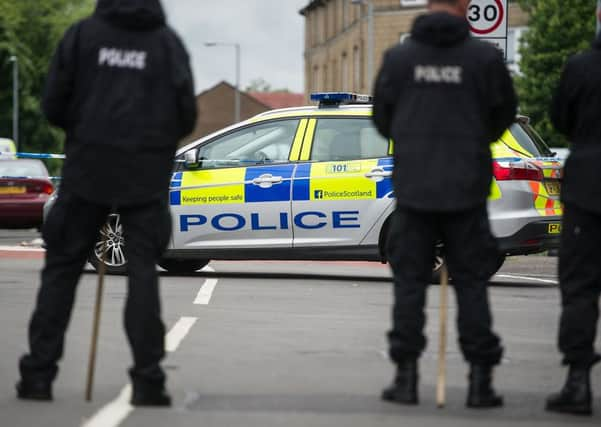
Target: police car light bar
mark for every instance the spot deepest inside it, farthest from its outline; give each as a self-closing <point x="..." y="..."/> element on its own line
<point x="329" y="99"/>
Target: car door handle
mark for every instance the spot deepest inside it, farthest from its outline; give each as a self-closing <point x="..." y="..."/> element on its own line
<point x="378" y="174"/>
<point x="267" y="180"/>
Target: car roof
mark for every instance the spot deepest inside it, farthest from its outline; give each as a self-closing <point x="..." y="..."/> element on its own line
<point x="308" y="111"/>
<point x="314" y="110"/>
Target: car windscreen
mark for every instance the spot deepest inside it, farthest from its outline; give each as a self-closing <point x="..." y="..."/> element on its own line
<point x="531" y="141"/>
<point x="22" y="168"/>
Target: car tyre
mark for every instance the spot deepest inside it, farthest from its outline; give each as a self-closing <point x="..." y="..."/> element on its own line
<point x="440" y="261"/>
<point x="183" y="266"/>
<point x="112" y="233"/>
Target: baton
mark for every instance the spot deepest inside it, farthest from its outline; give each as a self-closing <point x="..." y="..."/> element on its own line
<point x="442" y="344"/>
<point x="96" y="321"/>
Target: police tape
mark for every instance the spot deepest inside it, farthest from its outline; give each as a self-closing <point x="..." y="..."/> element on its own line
<point x="40" y="156"/>
<point x="20" y="155"/>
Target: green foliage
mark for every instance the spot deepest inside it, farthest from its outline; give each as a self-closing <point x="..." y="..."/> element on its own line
<point x="557" y="30"/>
<point x="261" y="85"/>
<point x="31" y="30"/>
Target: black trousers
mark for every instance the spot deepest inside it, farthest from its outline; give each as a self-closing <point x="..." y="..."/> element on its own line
<point x="70" y="232"/>
<point x="580" y="284"/>
<point x="471" y="252"/>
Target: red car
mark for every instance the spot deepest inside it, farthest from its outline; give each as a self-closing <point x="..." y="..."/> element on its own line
<point x="24" y="188"/>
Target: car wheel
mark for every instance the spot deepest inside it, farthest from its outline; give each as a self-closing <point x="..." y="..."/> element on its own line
<point x="183" y="266"/>
<point x="498" y="264"/>
<point x="112" y="234"/>
<point x="439" y="261"/>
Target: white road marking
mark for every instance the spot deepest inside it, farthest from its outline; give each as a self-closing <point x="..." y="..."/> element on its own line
<point x="21" y="249"/>
<point x="206" y="291"/>
<point x="114" y="413"/>
<point x="179" y="331"/>
<point x="534" y="279"/>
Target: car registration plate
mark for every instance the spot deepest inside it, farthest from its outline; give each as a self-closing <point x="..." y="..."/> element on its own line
<point x="554" y="228"/>
<point x="12" y="190"/>
<point x="553" y="188"/>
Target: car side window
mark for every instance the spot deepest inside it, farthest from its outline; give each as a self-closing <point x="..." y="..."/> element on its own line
<point x="261" y="143"/>
<point x="347" y="139"/>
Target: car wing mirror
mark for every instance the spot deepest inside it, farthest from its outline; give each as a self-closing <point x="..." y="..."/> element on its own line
<point x="191" y="159"/>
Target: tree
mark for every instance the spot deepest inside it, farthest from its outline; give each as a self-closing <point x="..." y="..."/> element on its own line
<point x="261" y="85"/>
<point x="258" y="85"/>
<point x="557" y="29"/>
<point x="31" y="30"/>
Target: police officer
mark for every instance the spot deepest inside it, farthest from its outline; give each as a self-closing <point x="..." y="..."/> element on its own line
<point x="443" y="97"/>
<point x="575" y="113"/>
<point x="121" y="87"/>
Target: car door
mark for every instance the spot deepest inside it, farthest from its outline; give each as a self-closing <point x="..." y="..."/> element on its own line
<point x="344" y="187"/>
<point x="238" y="193"/>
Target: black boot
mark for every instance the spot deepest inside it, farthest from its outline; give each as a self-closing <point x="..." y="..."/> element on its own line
<point x="150" y="396"/>
<point x="575" y="397"/>
<point x="481" y="393"/>
<point x="404" y="388"/>
<point x="34" y="390"/>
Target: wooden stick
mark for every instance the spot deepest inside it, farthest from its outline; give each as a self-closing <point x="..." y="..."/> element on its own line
<point x="96" y="322"/>
<point x="442" y="348"/>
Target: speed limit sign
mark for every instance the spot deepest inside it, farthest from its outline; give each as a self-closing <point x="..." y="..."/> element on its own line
<point x="488" y="21"/>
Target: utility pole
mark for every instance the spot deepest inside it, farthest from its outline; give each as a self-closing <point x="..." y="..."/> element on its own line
<point x="15" y="62"/>
<point x="237" y="91"/>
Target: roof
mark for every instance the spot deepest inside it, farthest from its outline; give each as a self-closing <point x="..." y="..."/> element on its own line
<point x="231" y="87"/>
<point x="279" y="99"/>
<point x="312" y="5"/>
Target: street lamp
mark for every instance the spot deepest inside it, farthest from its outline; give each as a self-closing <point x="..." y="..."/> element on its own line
<point x="370" y="39"/>
<point x="15" y="62"/>
<point x="237" y="93"/>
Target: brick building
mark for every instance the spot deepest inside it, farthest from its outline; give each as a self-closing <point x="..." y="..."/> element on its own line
<point x="216" y="107"/>
<point x="336" y="39"/>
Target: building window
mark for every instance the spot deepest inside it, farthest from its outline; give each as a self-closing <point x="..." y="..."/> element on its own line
<point x="356" y="69"/>
<point x="326" y="22"/>
<point x="514" y="36"/>
<point x="314" y="30"/>
<point x="325" y="78"/>
<point x="344" y="13"/>
<point x="414" y="3"/>
<point x="315" y="82"/>
<point x="344" y="74"/>
<point x="335" y="85"/>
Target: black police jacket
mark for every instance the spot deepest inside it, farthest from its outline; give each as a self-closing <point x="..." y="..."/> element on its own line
<point x="576" y="112"/>
<point x="443" y="97"/>
<point x="120" y="85"/>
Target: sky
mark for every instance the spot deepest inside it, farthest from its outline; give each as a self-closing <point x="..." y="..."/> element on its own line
<point x="270" y="34"/>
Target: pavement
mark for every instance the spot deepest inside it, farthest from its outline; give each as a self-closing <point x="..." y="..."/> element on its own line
<point x="285" y="343"/>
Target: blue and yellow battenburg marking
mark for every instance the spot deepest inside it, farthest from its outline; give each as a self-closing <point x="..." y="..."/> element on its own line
<point x="312" y="181"/>
<point x="230" y="186"/>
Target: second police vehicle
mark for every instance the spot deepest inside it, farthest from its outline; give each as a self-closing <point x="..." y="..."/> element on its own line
<point x="314" y="183"/>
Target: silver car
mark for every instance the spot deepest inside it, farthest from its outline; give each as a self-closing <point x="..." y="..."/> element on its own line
<point x="314" y="183"/>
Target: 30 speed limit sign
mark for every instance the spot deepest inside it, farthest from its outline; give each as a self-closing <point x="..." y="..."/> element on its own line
<point x="488" y="21"/>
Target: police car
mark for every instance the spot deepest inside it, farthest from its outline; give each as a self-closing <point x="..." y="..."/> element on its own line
<point x="314" y="183"/>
